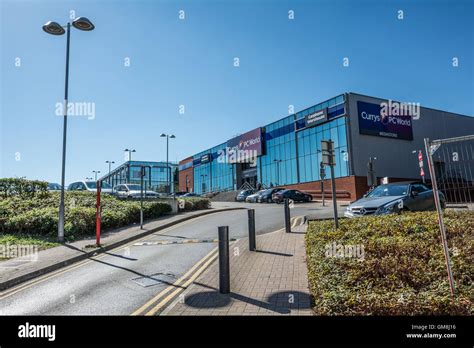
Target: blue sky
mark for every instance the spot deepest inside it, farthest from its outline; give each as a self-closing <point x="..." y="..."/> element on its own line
<point x="190" y="62"/>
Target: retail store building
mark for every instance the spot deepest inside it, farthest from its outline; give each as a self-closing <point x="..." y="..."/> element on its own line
<point x="288" y="151"/>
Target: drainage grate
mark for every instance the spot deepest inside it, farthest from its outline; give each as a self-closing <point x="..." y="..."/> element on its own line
<point x="156" y="279"/>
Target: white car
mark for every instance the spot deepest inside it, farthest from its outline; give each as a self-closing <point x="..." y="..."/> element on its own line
<point x="254" y="197"/>
<point x="133" y="191"/>
<point x="90" y="186"/>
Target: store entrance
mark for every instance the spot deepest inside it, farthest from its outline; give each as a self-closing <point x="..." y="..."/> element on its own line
<point x="246" y="175"/>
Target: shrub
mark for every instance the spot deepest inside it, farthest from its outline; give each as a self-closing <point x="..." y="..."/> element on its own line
<point x="403" y="271"/>
<point x="195" y="203"/>
<point x="22" y="187"/>
<point x="38" y="215"/>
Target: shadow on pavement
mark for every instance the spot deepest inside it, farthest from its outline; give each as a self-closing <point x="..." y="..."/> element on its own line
<point x="280" y="302"/>
<point x="273" y="253"/>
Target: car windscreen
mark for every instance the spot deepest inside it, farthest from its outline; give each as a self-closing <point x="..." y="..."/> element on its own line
<point x="93" y="185"/>
<point x="389" y="190"/>
<point x="134" y="187"/>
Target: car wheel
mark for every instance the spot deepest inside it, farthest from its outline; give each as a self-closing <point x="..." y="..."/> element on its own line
<point x="269" y="200"/>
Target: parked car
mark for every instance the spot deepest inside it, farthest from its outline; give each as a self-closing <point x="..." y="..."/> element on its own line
<point x="253" y="198"/>
<point x="191" y="194"/>
<point x="394" y="198"/>
<point x="266" y="196"/>
<point x="294" y="195"/>
<point x="52" y="186"/>
<point x="180" y="193"/>
<point x="90" y="186"/>
<point x="133" y="191"/>
<point x="243" y="194"/>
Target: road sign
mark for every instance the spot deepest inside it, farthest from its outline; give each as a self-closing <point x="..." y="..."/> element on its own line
<point x="421" y="164"/>
<point x="328" y="157"/>
<point x="422" y="172"/>
<point x="420" y="156"/>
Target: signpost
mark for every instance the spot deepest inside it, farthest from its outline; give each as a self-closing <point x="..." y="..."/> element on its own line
<point x="329" y="159"/>
<point x="420" y="162"/>
<point x="322" y="174"/>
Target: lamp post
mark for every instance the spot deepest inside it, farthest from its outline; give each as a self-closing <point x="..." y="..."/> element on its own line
<point x="95" y="173"/>
<point x="110" y="165"/>
<point x="129" y="153"/>
<point x="168" y="137"/>
<point x="278" y="161"/>
<point x="54" y="28"/>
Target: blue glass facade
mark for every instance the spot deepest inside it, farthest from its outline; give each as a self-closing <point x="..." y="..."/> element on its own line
<point x="291" y="153"/>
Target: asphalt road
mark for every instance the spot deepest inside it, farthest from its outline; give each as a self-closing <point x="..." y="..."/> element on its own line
<point x="123" y="280"/>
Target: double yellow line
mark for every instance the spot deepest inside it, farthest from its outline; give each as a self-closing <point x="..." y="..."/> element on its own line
<point x="24" y="286"/>
<point x="154" y="305"/>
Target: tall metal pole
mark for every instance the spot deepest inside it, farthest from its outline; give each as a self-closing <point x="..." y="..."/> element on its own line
<point x="168" y="172"/>
<point x="142" y="170"/>
<point x="442" y="229"/>
<point x="63" y="169"/>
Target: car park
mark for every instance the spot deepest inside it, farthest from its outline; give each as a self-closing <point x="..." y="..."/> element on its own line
<point x="243" y="194"/>
<point x="253" y="198"/>
<point x="294" y="195"/>
<point x="394" y="198"/>
<point x="266" y="196"/>
<point x="133" y="191"/>
<point x="90" y="186"/>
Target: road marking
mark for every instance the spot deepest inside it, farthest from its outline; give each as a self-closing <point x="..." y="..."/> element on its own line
<point x="35" y="281"/>
<point x="185" y="285"/>
<point x="176" y="283"/>
<point x="181" y="241"/>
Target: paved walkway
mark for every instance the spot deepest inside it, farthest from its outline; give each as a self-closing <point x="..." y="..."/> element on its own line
<point x="270" y="281"/>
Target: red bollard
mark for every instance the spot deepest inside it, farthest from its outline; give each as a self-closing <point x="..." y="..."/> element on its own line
<point x="97" y="214"/>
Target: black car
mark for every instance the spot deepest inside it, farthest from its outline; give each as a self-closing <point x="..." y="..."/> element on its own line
<point x="294" y="195"/>
<point x="266" y="196"/>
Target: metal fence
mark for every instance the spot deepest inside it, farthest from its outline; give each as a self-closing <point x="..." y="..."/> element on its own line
<point x="453" y="164"/>
<point x="450" y="162"/>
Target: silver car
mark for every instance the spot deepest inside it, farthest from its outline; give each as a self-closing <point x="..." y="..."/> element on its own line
<point x="133" y="191"/>
<point x="394" y="198"/>
<point x="90" y="186"/>
<point x="253" y="198"/>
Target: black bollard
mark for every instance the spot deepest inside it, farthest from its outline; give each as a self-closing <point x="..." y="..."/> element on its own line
<point x="287" y="215"/>
<point x="224" y="274"/>
<point x="252" y="241"/>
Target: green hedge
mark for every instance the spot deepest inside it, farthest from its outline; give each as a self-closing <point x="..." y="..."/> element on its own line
<point x="39" y="215"/>
<point x="23" y="187"/>
<point x="194" y="203"/>
<point x="403" y="270"/>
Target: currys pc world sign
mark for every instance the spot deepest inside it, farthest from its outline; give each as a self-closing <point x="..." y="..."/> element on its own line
<point x="373" y="122"/>
<point x="245" y="147"/>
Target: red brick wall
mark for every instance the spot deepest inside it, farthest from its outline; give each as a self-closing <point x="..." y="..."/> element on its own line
<point x="182" y="177"/>
<point x="349" y="188"/>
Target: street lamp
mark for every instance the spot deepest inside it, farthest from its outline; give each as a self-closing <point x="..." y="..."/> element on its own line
<point x="96" y="172"/>
<point x="110" y="165"/>
<point x="168" y="136"/>
<point x="54" y="28"/>
<point x="278" y="161"/>
<point x="129" y="154"/>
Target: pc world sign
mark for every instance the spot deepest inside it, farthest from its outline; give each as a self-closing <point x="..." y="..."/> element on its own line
<point x="371" y="122"/>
